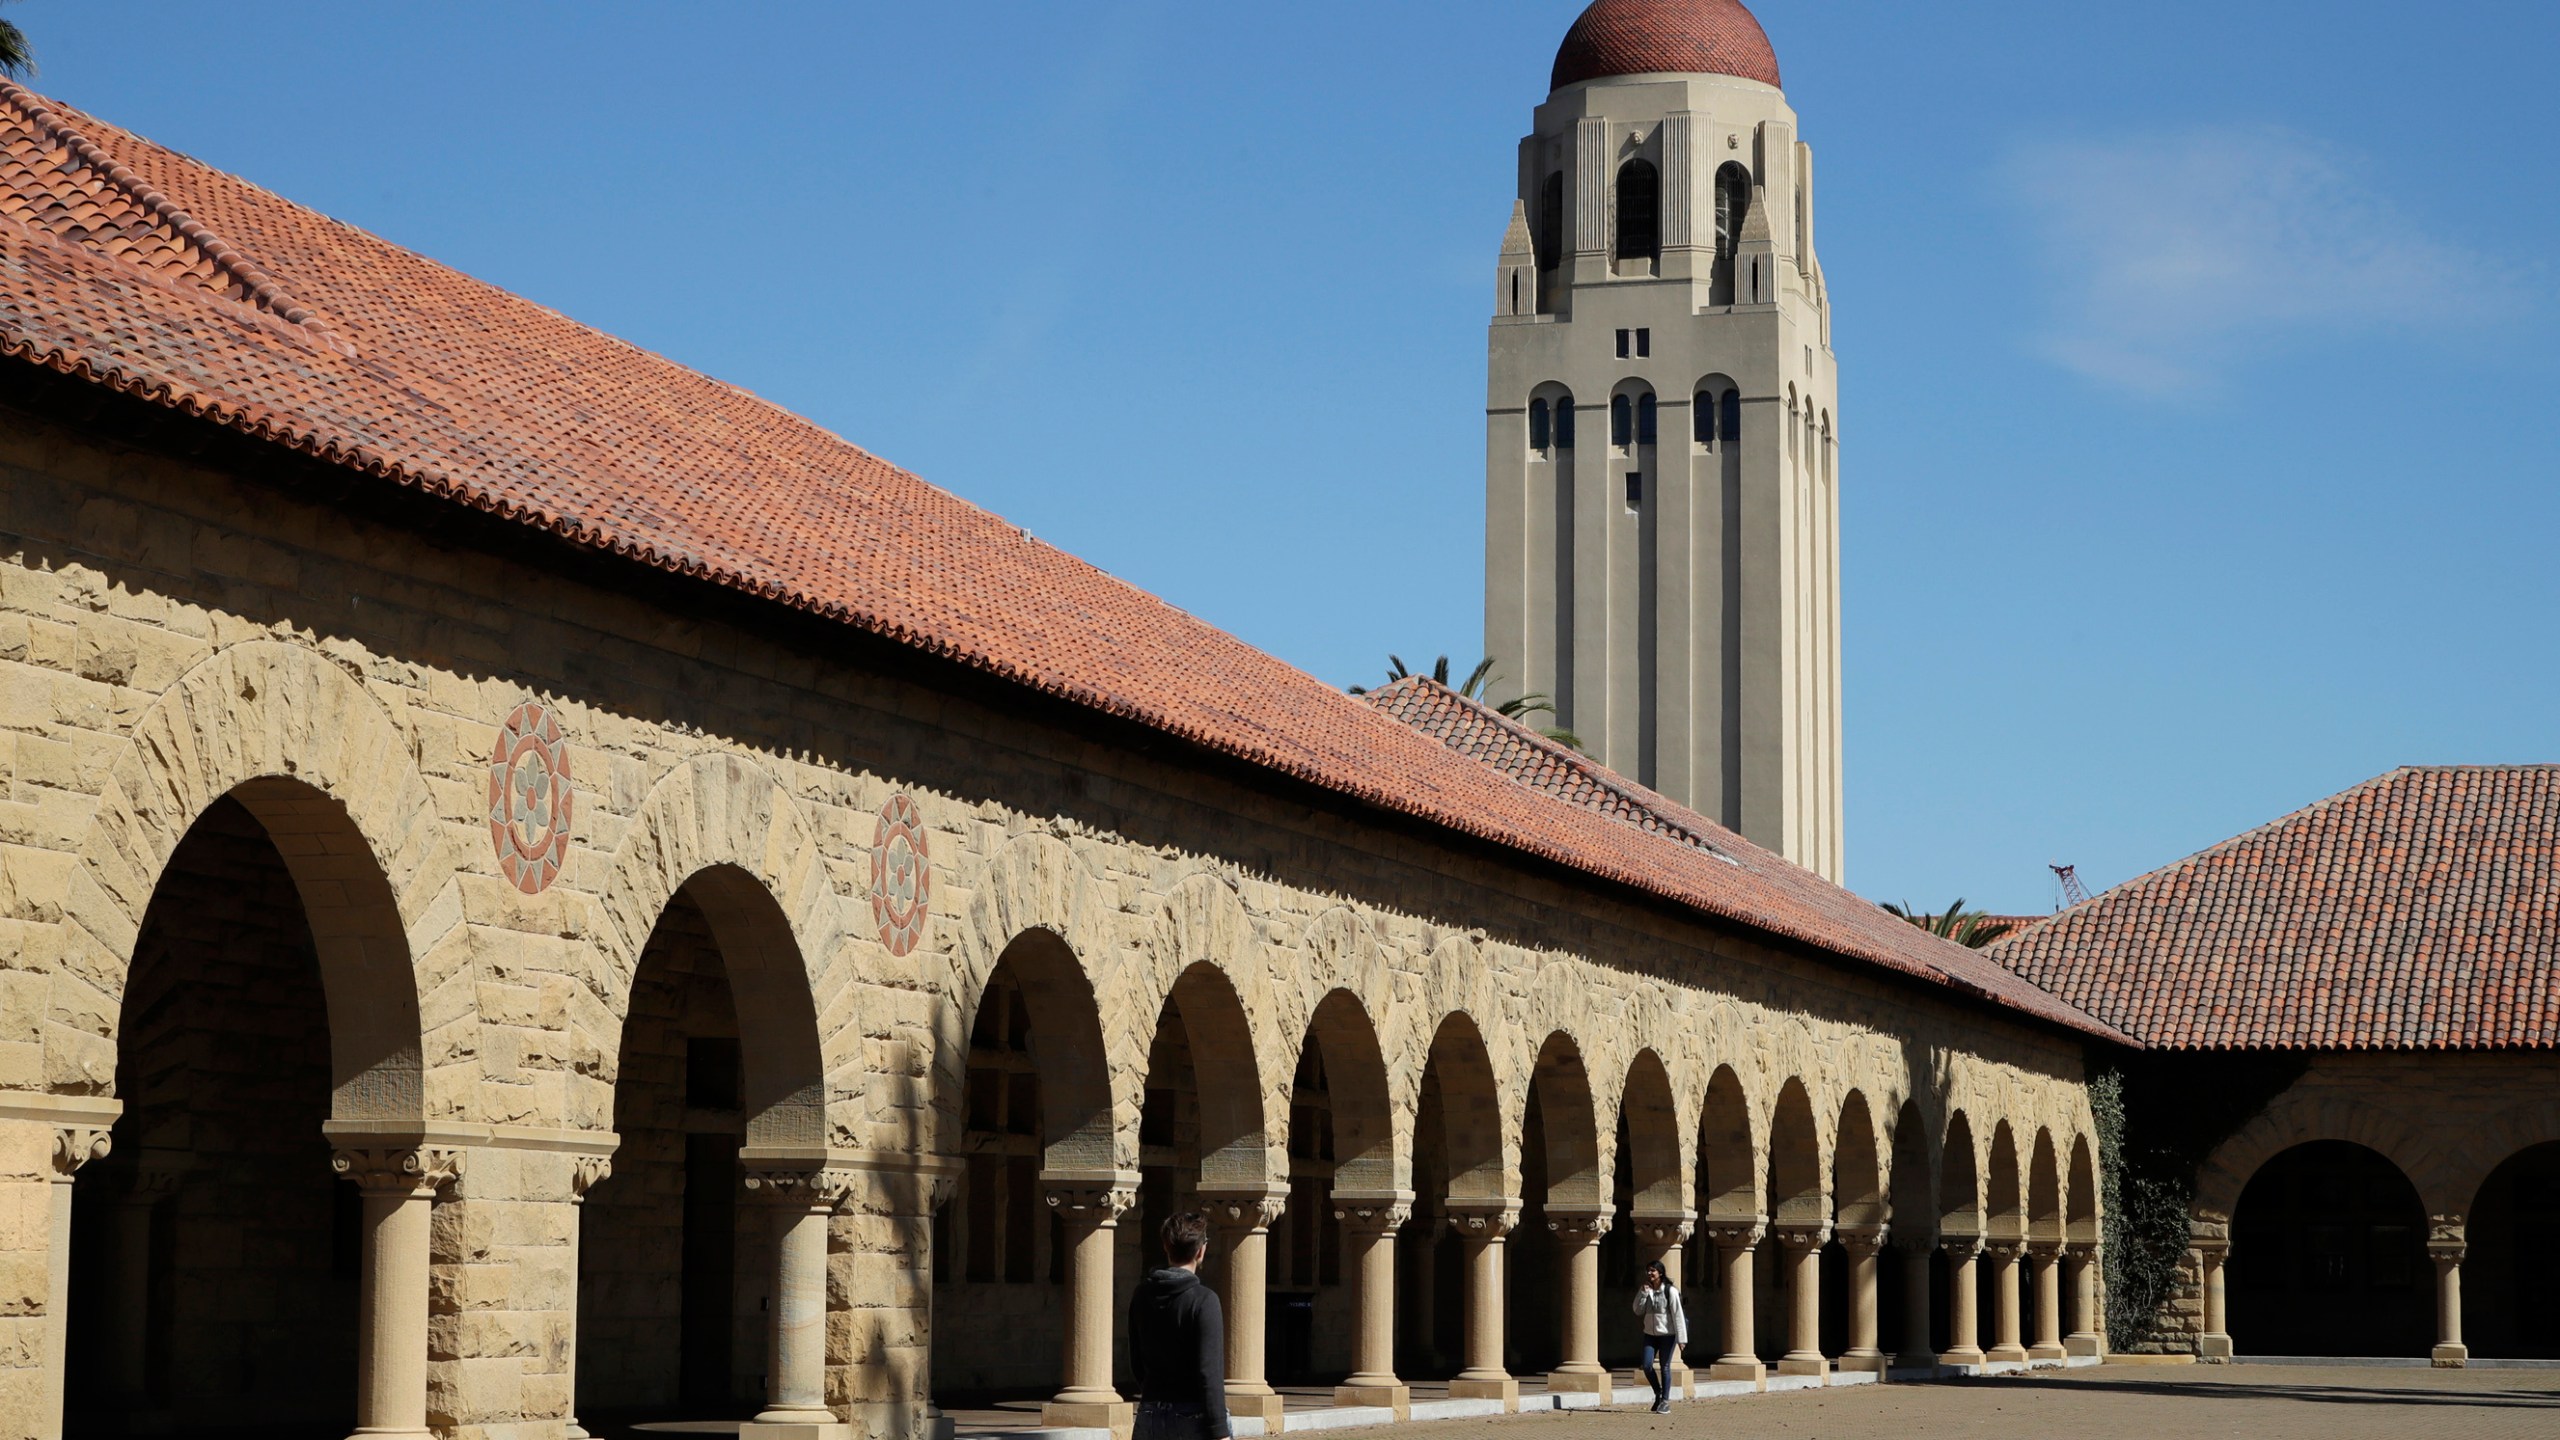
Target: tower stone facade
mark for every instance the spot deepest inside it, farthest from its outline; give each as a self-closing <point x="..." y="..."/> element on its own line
<point x="1661" y="476"/>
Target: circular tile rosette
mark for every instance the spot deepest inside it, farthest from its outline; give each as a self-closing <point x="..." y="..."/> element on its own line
<point x="532" y="802"/>
<point x="901" y="877"/>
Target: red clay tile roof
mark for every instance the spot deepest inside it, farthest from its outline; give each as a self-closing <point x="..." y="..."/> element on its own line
<point x="1540" y="764"/>
<point x="2418" y="911"/>
<point x="1683" y="37"/>
<point x="428" y="379"/>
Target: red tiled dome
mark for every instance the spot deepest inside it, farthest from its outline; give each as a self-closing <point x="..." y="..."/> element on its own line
<point x="1686" y="37"/>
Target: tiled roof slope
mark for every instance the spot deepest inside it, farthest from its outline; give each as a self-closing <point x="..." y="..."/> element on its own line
<point x="2418" y="911"/>
<point x="429" y="379"/>
<point x="1678" y="37"/>
<point x="1537" y="763"/>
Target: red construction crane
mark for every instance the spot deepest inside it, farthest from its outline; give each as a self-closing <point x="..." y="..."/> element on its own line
<point x="2073" y="892"/>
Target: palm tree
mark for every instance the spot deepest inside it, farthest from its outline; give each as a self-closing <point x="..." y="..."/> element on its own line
<point x="1479" y="680"/>
<point x="16" y="60"/>
<point x="1972" y="929"/>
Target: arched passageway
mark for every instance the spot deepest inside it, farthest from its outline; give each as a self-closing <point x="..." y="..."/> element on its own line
<point x="2328" y="1257"/>
<point x="2512" y="1268"/>
<point x="1905" y="1312"/>
<point x="1731" y="1226"/>
<point x="270" y="990"/>
<point x="1341" y="1169"/>
<point x="678" y="1259"/>
<point x="1461" y="1215"/>
<point x="1799" y="1226"/>
<point x="1650" y="1211"/>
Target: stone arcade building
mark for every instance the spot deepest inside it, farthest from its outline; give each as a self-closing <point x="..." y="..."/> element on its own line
<point x="538" y="885"/>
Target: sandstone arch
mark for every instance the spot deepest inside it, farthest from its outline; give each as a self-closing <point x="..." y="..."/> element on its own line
<point x="1912" y="1191"/>
<point x="328" y="774"/>
<point x="1857" y="1175"/>
<point x="2081" y="1219"/>
<point x="1574" y="1174"/>
<point x="1796" y="1190"/>
<point x="1960" y="1182"/>
<point x="1474" y="1134"/>
<point x="2044" y="1190"/>
<point x="1367" y="1158"/>
<point x="1728" y="1157"/>
<point x="1235" y="1140"/>
<point x="1651" y="1119"/>
<point x="2295" y="1118"/>
<point x="2004" y="1212"/>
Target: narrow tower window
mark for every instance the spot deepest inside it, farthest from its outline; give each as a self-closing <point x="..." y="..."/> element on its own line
<point x="1702" y="419"/>
<point x="1622" y="421"/>
<point x="1733" y="417"/>
<point x="1564" y="422"/>
<point x="1639" y="211"/>
<point x="1551" y="222"/>
<point x="1733" y="206"/>
<point x="1647" y="420"/>
<point x="1538" y="433"/>
<point x="1635" y="491"/>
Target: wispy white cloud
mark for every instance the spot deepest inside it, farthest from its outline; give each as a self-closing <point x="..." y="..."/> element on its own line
<point x="2170" y="258"/>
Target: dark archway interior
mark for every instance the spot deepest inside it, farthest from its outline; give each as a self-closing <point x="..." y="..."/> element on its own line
<point x="2328" y="1257"/>
<point x="674" y="1264"/>
<point x="214" y="1252"/>
<point x="2512" y="1269"/>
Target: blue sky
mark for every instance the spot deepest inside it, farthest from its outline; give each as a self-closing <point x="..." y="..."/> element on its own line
<point x="2197" y="449"/>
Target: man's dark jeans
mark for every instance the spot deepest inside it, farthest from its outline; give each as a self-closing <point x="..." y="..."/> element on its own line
<point x="1165" y="1420"/>
<point x="1660" y="1351"/>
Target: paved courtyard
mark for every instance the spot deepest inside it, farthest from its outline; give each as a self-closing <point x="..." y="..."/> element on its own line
<point x="2261" y="1402"/>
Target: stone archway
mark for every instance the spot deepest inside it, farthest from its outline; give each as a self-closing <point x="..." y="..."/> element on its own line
<point x="1565" y="1210"/>
<point x="2511" y="1261"/>
<point x="1790" y="1278"/>
<point x="1464" y="1207"/>
<point x="2328" y="1257"/>
<point x="1336" y="1243"/>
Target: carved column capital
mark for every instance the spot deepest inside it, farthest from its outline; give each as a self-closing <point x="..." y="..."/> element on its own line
<point x="77" y="1145"/>
<point x="414" y="1170"/>
<point x="1250" y="1211"/>
<point x="1662" y="1232"/>
<point x="1088" y="1205"/>
<point x="585" y="1173"/>
<point x="1734" y="1234"/>
<point x="1798" y="1235"/>
<point x="2446" y="1243"/>
<point x="2212" y="1249"/>
<point x="1862" y="1240"/>
<point x="2081" y="1249"/>
<point x="1367" y="1216"/>
<point x="1960" y="1248"/>
<point x="1484" y="1220"/>
<point x="1581" y="1226"/>
<point x="2044" y="1249"/>
<point x="2004" y="1249"/>
<point x="820" y="1190"/>
<point x="939" y="1187"/>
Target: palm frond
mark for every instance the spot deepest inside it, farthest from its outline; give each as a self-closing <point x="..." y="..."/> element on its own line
<point x="17" y="59"/>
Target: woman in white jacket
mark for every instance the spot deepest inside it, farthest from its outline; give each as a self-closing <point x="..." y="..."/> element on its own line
<point x="1666" y="1330"/>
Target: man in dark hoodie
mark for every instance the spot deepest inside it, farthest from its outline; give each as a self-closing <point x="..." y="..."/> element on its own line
<point x="1178" y="1342"/>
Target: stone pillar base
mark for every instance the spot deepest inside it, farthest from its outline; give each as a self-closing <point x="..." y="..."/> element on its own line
<point x="1118" y="1417"/>
<point x="1731" y="1369"/>
<point x="2047" y="1352"/>
<point x="1263" y="1404"/>
<point x="2014" y="1354"/>
<point x="2212" y="1348"/>
<point x="1962" y="1355"/>
<point x="1805" y="1365"/>
<point x="1506" y="1390"/>
<point x="1870" y="1362"/>
<point x="2451" y="1357"/>
<point x="795" y="1430"/>
<point x="1397" y="1397"/>
<point x="2090" y="1345"/>
<point x="1578" y="1382"/>
<point x="1684" y="1381"/>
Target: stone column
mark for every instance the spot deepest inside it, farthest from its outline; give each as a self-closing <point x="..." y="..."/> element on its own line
<point x="795" y="1391"/>
<point x="1801" y="1252"/>
<point x="1916" y="1350"/>
<point x="1243" y="1220"/>
<point x="73" y="1147"/>
<point x="1735" y="1240"/>
<point x="1580" y="1230"/>
<point x="585" y="1173"/>
<point x="399" y="1186"/>
<point x="2007" y="1337"/>
<point x="2214" y="1345"/>
<point x="1370" y="1223"/>
<point x="2087" y="1338"/>
<point x="2044" y="1263"/>
<point x="2445" y="1246"/>
<point x="154" y="1181"/>
<point x="1092" y="1211"/>
<point x="1964" y="1345"/>
<point x="1862" y="1242"/>
<point x="1665" y="1239"/>
<point x="1484" y="1225"/>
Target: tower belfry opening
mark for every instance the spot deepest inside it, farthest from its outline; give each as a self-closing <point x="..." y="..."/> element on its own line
<point x="1680" y="600"/>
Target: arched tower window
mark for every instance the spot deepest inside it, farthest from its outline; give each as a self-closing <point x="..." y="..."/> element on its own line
<point x="1733" y="206"/>
<point x="1539" y="435"/>
<point x="1639" y="211"/>
<point x="1702" y="419"/>
<point x="1564" y="421"/>
<point x="1647" y="420"/>
<point x="1551" y="222"/>
<point x="1622" y="421"/>
<point x="1733" y="417"/>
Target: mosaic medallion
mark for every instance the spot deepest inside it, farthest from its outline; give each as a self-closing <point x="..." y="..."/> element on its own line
<point x="530" y="798"/>
<point x="901" y="876"/>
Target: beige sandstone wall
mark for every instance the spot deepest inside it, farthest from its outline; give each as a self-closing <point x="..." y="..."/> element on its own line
<point x="168" y="634"/>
